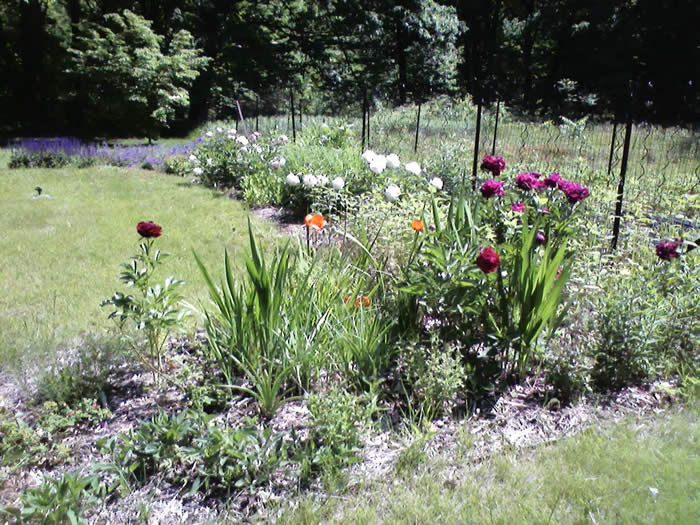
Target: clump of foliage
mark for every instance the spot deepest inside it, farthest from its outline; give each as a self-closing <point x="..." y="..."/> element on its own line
<point x="127" y="80"/>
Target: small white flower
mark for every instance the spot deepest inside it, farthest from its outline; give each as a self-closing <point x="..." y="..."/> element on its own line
<point x="392" y="193"/>
<point x="436" y="183"/>
<point x="245" y="149"/>
<point x="257" y="148"/>
<point x="242" y="140"/>
<point x="309" y="181"/>
<point x="293" y="180"/>
<point x="209" y="162"/>
<point x="198" y="171"/>
<point x="368" y="156"/>
<point x="378" y="164"/>
<point x="220" y="129"/>
<point x="322" y="180"/>
<point x="254" y="136"/>
<point x="413" y="167"/>
<point x="232" y="131"/>
<point x="278" y="163"/>
<point x="194" y="159"/>
<point x="338" y="183"/>
<point x="284" y="139"/>
<point x="392" y="161"/>
<point x="210" y="133"/>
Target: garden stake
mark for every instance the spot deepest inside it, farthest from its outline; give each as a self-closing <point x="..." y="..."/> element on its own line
<point x="415" y="145"/>
<point x="495" y="128"/>
<point x="476" y="144"/>
<point x="621" y="185"/>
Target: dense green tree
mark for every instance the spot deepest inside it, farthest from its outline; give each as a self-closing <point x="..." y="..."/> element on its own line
<point x="131" y="85"/>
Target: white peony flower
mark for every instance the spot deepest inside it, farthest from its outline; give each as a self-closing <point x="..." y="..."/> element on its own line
<point x="378" y="164"/>
<point x="338" y="183"/>
<point x="232" y="131"/>
<point x="368" y="156"/>
<point x="392" y="161"/>
<point x="278" y="163"/>
<point x="242" y="140"/>
<point x="198" y="171"/>
<point x="413" y="167"/>
<point x="293" y="180"/>
<point x="436" y="183"/>
<point x="209" y="162"/>
<point x="220" y="129"/>
<point x="194" y="159"/>
<point x="309" y="181"/>
<point x="210" y="133"/>
<point x="257" y="148"/>
<point x="322" y="180"/>
<point x="392" y="193"/>
<point x="284" y="139"/>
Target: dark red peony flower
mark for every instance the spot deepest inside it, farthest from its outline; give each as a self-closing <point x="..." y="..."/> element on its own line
<point x="492" y="188"/>
<point x="493" y="164"/>
<point x="488" y="260"/>
<point x="528" y="181"/>
<point x="667" y="250"/>
<point x="148" y="229"/>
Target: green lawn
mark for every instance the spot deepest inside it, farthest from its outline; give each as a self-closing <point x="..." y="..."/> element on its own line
<point x="62" y="252"/>
<point x="634" y="472"/>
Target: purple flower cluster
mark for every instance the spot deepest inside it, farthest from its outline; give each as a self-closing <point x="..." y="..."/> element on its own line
<point x="667" y="250"/>
<point x="493" y="164"/>
<point x="531" y="181"/>
<point x="138" y="156"/>
<point x="492" y="188"/>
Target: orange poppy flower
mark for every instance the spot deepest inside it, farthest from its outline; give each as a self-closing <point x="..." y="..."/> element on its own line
<point x="417" y="225"/>
<point x="363" y="301"/>
<point x="315" y="221"/>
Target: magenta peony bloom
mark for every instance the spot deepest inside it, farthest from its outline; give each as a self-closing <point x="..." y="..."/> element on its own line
<point x="553" y="180"/>
<point x="493" y="164"/>
<point x="666" y="250"/>
<point x="574" y="192"/>
<point x="529" y="181"/>
<point x="492" y="187"/>
<point x="488" y="260"/>
<point x="518" y="207"/>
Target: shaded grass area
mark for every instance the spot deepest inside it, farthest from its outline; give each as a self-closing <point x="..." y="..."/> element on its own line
<point x="633" y="472"/>
<point x="61" y="252"/>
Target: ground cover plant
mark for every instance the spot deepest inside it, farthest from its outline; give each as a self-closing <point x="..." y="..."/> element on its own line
<point x="409" y="296"/>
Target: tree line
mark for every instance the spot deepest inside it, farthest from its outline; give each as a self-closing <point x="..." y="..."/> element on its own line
<point x="110" y="67"/>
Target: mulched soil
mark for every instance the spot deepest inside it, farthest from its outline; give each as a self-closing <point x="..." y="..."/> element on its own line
<point x="520" y="418"/>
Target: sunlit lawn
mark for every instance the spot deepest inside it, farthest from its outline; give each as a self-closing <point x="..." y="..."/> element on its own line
<point x="635" y="472"/>
<point x="61" y="253"/>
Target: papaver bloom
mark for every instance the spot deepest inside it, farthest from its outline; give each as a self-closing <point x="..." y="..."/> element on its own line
<point x="315" y="221"/>
<point x="417" y="225"/>
<point x="528" y="181"/>
<point x="198" y="171"/>
<point x="488" y="260"/>
<point x="278" y="163"/>
<point x="492" y="188"/>
<point x="378" y="164"/>
<point x="667" y="250"/>
<point x="309" y="181"/>
<point x="322" y="180"/>
<point x="338" y="183"/>
<point x="363" y="302"/>
<point x="148" y="229"/>
<point x="368" y="156"/>
<point x="493" y="164"/>
<point x="517" y="207"/>
<point x="293" y="180"/>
